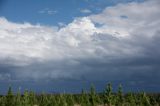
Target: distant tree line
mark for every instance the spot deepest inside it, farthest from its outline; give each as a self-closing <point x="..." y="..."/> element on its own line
<point x="91" y="98"/>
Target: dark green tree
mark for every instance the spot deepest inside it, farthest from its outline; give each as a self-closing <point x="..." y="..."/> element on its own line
<point x="84" y="99"/>
<point x="18" y="101"/>
<point x="32" y="98"/>
<point x="153" y="101"/>
<point x="70" y="100"/>
<point x="52" y="101"/>
<point x="130" y="99"/>
<point x="144" y="100"/>
<point x="62" y="100"/>
<point x="93" y="96"/>
<point x="2" y="101"/>
<point x="26" y="101"/>
<point x="120" y="98"/>
<point x="10" y="97"/>
<point x="43" y="100"/>
<point x="108" y="95"/>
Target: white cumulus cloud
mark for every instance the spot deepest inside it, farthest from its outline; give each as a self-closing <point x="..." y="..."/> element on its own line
<point x="106" y="43"/>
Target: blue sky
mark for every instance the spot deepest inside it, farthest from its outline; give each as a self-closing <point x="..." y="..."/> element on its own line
<point x="65" y="45"/>
<point x="65" y="11"/>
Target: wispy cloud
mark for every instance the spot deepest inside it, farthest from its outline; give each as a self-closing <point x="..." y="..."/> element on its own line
<point x="85" y="11"/>
<point x="61" y="24"/>
<point x="48" y="11"/>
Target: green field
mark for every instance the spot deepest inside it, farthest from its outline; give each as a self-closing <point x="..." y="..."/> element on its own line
<point x="91" y="98"/>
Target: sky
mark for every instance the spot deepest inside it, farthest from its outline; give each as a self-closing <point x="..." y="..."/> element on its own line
<point x="67" y="45"/>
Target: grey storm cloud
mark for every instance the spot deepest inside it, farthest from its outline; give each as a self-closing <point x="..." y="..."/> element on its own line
<point x="120" y="48"/>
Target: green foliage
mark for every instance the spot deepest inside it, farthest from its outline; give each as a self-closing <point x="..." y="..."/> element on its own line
<point x="120" y="98"/>
<point x="62" y="100"/>
<point x="108" y="95"/>
<point x="84" y="99"/>
<point x="2" y="101"/>
<point x="18" y="101"/>
<point x="32" y="98"/>
<point x="144" y="99"/>
<point x="9" y="98"/>
<point x="130" y="99"/>
<point x="91" y="98"/>
<point x="70" y="100"/>
<point x="153" y="101"/>
<point x="26" y="100"/>
<point x="44" y="100"/>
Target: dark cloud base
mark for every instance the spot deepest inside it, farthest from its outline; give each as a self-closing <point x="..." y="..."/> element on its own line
<point x="129" y="55"/>
<point x="135" y="74"/>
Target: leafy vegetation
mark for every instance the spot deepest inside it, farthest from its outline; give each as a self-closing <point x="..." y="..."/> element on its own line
<point x="107" y="98"/>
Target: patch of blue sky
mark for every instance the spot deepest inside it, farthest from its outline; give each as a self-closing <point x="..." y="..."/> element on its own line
<point x="56" y="11"/>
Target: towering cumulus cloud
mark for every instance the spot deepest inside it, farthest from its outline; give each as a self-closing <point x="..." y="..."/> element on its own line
<point x="120" y="43"/>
